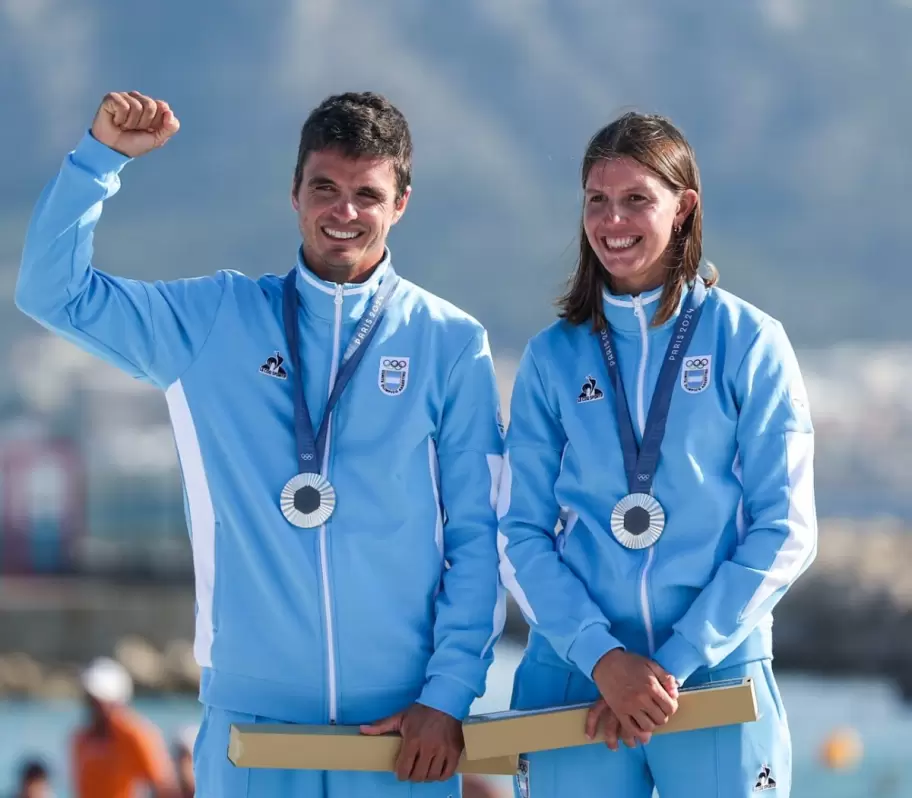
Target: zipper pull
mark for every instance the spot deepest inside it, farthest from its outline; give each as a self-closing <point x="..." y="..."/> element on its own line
<point x="338" y="298"/>
<point x="637" y="306"/>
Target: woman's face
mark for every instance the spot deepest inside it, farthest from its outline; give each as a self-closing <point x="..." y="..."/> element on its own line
<point x="629" y="215"/>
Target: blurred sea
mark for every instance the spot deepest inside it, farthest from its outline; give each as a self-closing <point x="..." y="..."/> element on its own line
<point x="815" y="706"/>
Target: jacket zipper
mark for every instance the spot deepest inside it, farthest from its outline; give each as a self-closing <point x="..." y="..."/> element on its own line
<point x="641" y="421"/>
<point x="324" y="560"/>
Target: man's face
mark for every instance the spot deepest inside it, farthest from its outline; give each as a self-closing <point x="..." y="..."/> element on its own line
<point x="345" y="209"/>
<point x="37" y="788"/>
<point x="98" y="711"/>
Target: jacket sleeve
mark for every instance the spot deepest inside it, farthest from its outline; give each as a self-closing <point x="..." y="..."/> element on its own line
<point x="776" y="451"/>
<point x="470" y="604"/>
<point x="153" y="331"/>
<point x="551" y="597"/>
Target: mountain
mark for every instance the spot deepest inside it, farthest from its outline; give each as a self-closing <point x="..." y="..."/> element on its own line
<point x="798" y="111"/>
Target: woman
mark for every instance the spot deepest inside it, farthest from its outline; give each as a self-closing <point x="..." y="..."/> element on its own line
<point x="657" y="495"/>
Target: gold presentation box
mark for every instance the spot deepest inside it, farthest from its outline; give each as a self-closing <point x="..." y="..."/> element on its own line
<point x="493" y="741"/>
<point x="300" y="747"/>
<point x="520" y="732"/>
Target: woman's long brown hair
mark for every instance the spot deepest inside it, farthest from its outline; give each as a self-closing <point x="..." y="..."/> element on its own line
<point x="658" y="145"/>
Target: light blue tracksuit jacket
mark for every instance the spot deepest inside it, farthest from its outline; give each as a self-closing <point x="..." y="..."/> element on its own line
<point x="396" y="598"/>
<point x="735" y="480"/>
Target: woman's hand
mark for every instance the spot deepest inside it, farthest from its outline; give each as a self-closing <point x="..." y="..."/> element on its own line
<point x="641" y="693"/>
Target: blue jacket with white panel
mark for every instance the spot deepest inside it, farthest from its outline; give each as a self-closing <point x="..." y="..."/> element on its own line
<point x="396" y="597"/>
<point x="734" y="477"/>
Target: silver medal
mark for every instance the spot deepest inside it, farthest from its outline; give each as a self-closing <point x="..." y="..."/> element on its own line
<point x="637" y="521"/>
<point x="308" y="500"/>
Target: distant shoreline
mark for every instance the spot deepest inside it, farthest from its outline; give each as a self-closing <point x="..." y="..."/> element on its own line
<point x="850" y="614"/>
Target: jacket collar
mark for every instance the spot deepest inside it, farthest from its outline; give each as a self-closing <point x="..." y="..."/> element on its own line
<point x="623" y="311"/>
<point x="319" y="297"/>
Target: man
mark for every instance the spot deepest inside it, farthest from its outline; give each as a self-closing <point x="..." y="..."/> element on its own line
<point x="479" y="787"/>
<point x="182" y="753"/>
<point x="34" y="780"/>
<point x="340" y="446"/>
<point x="117" y="752"/>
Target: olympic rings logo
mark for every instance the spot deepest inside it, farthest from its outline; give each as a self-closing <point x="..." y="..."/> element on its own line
<point x="394" y="364"/>
<point x="307" y="456"/>
<point x="696" y="363"/>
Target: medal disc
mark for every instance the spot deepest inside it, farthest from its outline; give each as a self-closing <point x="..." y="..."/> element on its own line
<point x="308" y="500"/>
<point x="637" y="521"/>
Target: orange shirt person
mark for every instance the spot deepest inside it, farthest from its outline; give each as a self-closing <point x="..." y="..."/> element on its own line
<point x="117" y="751"/>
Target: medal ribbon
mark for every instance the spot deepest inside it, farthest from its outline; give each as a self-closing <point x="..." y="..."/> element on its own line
<point x="640" y="462"/>
<point x="310" y="448"/>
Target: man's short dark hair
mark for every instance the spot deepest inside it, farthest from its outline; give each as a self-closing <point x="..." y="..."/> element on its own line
<point x="33" y="770"/>
<point x="358" y="124"/>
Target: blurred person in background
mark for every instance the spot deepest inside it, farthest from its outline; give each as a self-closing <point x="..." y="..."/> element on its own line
<point x="34" y="781"/>
<point x="340" y="443"/>
<point x="675" y="541"/>
<point x="478" y="787"/>
<point x="117" y="752"/>
<point x="182" y="751"/>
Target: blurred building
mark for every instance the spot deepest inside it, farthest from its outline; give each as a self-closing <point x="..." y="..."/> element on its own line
<point x="89" y="478"/>
<point x="42" y="505"/>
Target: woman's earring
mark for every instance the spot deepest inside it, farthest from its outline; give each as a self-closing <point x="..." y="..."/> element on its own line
<point x="677" y="228"/>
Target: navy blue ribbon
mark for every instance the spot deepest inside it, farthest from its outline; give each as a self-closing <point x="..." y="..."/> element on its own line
<point x="640" y="462"/>
<point x="310" y="448"/>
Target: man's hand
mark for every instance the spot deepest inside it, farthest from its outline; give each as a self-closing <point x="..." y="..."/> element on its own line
<point x="601" y="713"/>
<point x="133" y="124"/>
<point x="639" y="691"/>
<point x="431" y="742"/>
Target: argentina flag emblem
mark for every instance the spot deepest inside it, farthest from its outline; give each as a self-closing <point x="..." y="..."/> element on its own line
<point x="696" y="373"/>
<point x="522" y="777"/>
<point x="393" y="377"/>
